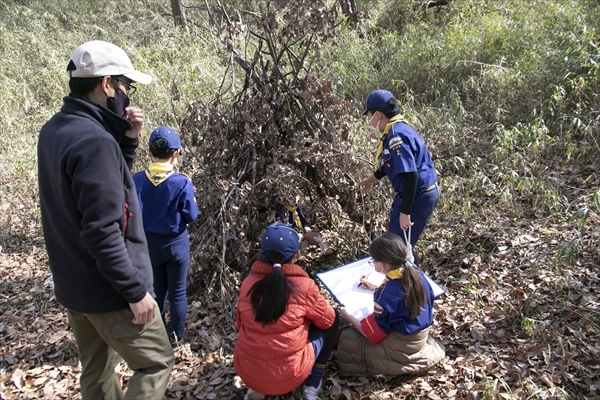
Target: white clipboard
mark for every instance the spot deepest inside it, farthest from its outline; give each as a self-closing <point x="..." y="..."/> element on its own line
<point x="342" y="282"/>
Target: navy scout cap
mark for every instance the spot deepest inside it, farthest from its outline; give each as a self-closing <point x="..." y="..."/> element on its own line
<point x="280" y="238"/>
<point x="377" y="100"/>
<point x="167" y="133"/>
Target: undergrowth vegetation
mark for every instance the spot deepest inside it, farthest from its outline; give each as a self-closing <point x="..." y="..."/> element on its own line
<point x="505" y="94"/>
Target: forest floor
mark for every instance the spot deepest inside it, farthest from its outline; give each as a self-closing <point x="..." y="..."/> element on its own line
<point x="514" y="323"/>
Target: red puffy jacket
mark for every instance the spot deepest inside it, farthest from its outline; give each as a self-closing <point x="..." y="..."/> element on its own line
<point x="276" y="358"/>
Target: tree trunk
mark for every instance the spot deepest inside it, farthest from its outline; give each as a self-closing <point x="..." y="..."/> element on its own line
<point x="178" y="15"/>
<point x="435" y="3"/>
<point x="349" y="9"/>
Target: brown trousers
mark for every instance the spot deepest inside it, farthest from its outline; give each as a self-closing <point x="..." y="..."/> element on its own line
<point x="104" y="339"/>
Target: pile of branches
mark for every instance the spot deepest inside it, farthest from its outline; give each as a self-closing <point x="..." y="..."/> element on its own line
<point x="278" y="133"/>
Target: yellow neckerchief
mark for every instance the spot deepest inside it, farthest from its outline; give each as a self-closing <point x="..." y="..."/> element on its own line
<point x="158" y="172"/>
<point x="292" y="209"/>
<point x="395" y="273"/>
<point x="391" y="122"/>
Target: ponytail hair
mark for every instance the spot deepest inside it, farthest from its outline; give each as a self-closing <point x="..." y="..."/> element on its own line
<point x="414" y="290"/>
<point x="389" y="248"/>
<point x="269" y="296"/>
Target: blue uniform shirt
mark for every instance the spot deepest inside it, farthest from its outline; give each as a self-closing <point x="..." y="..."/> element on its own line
<point x="403" y="152"/>
<point x="284" y="215"/>
<point x="168" y="207"/>
<point x="391" y="313"/>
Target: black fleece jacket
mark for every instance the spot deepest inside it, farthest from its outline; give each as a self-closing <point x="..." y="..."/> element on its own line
<point x="90" y="212"/>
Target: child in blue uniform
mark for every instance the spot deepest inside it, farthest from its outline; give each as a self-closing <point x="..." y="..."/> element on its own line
<point x="168" y="204"/>
<point x="288" y="212"/>
<point x="403" y="157"/>
<point x="291" y="214"/>
<point x="394" y="339"/>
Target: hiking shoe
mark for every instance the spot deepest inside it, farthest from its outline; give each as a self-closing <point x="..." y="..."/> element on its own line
<point x="253" y="395"/>
<point x="311" y="392"/>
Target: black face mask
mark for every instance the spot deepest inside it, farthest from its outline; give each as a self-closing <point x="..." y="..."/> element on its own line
<point x="118" y="103"/>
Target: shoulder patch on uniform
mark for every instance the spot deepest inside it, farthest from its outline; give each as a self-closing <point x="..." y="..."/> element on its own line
<point x="395" y="142"/>
<point x="377" y="309"/>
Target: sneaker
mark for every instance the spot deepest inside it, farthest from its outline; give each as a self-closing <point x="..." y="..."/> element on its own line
<point x="253" y="395"/>
<point x="311" y="392"/>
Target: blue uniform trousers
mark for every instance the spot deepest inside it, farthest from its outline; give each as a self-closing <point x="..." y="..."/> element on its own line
<point x="170" y="256"/>
<point x="323" y="340"/>
<point x="423" y="205"/>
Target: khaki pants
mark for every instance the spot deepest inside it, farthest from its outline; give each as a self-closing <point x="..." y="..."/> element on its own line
<point x="103" y="339"/>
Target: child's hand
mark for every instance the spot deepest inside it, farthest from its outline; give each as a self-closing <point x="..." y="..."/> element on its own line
<point x="355" y="322"/>
<point x="366" y="183"/>
<point x="310" y="238"/>
<point x="345" y="314"/>
<point x="365" y="283"/>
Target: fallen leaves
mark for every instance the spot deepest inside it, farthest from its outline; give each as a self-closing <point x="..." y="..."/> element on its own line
<point x="495" y="343"/>
<point x="499" y="323"/>
<point x="17" y="378"/>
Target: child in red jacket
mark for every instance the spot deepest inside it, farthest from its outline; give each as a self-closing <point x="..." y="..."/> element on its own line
<point x="287" y="329"/>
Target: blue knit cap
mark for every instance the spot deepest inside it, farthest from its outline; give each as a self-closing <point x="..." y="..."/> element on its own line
<point x="280" y="238"/>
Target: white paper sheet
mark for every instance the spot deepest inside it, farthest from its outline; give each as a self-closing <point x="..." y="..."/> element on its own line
<point x="342" y="282"/>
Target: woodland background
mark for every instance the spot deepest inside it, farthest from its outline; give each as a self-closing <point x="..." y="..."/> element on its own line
<point x="267" y="97"/>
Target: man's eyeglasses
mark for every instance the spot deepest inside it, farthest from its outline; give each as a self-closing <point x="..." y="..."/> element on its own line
<point x="129" y="87"/>
<point x="372" y="263"/>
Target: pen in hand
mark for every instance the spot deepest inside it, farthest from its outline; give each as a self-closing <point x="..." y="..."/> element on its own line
<point x="360" y="284"/>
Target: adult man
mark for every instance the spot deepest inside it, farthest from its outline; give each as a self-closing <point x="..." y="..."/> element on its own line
<point x="403" y="157"/>
<point x="93" y="227"/>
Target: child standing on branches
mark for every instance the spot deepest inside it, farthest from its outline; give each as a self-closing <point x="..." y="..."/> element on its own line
<point x="287" y="329"/>
<point x="168" y="205"/>
<point x="394" y="339"/>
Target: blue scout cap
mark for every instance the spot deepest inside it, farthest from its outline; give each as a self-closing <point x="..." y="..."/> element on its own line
<point x="167" y="133"/>
<point x="280" y="238"/>
<point x="378" y="99"/>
